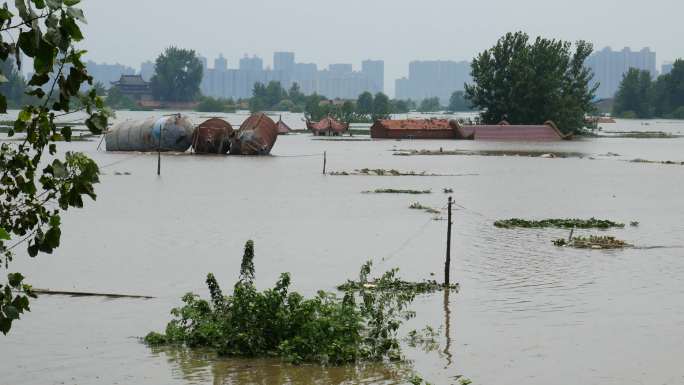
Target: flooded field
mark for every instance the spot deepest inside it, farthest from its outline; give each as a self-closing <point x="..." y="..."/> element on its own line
<point x="528" y="312"/>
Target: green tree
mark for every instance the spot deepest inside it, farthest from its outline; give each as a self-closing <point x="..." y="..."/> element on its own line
<point x="115" y="99"/>
<point x="430" y="105"/>
<point x="400" y="106"/>
<point x="530" y="82"/>
<point x="458" y="102"/>
<point x="382" y="108"/>
<point x="634" y="95"/>
<point x="178" y="74"/>
<point x="34" y="191"/>
<point x="668" y="92"/>
<point x="295" y="94"/>
<point x="364" y="104"/>
<point x="267" y="97"/>
<point x="313" y="109"/>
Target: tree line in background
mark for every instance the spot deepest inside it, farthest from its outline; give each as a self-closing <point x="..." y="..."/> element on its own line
<point x="639" y="96"/>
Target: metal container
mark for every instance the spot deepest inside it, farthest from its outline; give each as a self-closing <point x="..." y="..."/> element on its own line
<point x="212" y="137"/>
<point x="256" y="136"/>
<point x="168" y="133"/>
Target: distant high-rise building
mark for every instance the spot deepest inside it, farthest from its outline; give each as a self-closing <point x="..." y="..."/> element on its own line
<point x="220" y="63"/>
<point x="253" y="63"/>
<point x="341" y="68"/>
<point x="338" y="81"/>
<point x="203" y="60"/>
<point x="666" y="68"/>
<point x="434" y="78"/>
<point x="375" y="71"/>
<point x="147" y="70"/>
<point x="107" y="73"/>
<point x="284" y="61"/>
<point x="609" y="66"/>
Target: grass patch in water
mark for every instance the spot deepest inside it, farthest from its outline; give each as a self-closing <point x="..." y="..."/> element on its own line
<point x="563" y="223"/>
<point x="423" y="287"/>
<point x="639" y="160"/>
<point x="428" y="209"/>
<point x="397" y="191"/>
<point x="593" y="242"/>
<point x="391" y="172"/>
<point x="361" y="326"/>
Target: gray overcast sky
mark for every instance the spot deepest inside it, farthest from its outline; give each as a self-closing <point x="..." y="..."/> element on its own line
<point x="397" y="31"/>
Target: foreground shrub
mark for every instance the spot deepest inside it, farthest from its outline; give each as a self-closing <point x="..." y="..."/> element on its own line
<point x="362" y="326"/>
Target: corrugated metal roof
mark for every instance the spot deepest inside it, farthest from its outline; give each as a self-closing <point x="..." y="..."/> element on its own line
<point x="505" y="131"/>
<point x="327" y="123"/>
<point x="415" y="124"/>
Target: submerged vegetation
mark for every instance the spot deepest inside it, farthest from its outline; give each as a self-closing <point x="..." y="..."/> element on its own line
<point x="361" y="326"/>
<point x="397" y="191"/>
<point x="639" y="160"/>
<point x="423" y="287"/>
<point x="566" y="223"/>
<point x="392" y="172"/>
<point x="532" y="154"/>
<point x="592" y="242"/>
<point x="428" y="209"/>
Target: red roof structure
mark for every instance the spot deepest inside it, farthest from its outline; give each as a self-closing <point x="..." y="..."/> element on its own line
<point x="283" y="129"/>
<point x="413" y="129"/>
<point x="327" y="127"/>
<point x="505" y="131"/>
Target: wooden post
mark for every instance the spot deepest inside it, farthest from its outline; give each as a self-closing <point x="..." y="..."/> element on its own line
<point x="161" y="129"/>
<point x="325" y="160"/>
<point x="447" y="263"/>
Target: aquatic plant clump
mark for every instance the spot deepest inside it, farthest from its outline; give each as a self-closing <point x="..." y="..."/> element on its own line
<point x="419" y="206"/>
<point x="397" y="191"/>
<point x="423" y="287"/>
<point x="392" y="172"/>
<point x="592" y="242"/>
<point x="361" y="326"/>
<point x="564" y="223"/>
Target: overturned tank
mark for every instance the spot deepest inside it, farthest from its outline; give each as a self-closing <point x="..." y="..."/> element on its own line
<point x="168" y="133"/>
<point x="212" y="137"/>
<point x="256" y="136"/>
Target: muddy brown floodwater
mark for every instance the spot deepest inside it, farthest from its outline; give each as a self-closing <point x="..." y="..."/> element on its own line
<point x="527" y="313"/>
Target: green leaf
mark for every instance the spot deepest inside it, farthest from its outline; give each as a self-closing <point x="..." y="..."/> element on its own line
<point x="39" y="80"/>
<point x="40" y="4"/>
<point x="66" y="133"/>
<point x="77" y="14"/>
<point x="24" y="115"/>
<point x="5" y="14"/>
<point x="5" y="324"/>
<point x="11" y="312"/>
<point x="23" y="11"/>
<point x="15" y="279"/>
<point x="69" y="3"/>
<point x="70" y="27"/>
<point x="4" y="235"/>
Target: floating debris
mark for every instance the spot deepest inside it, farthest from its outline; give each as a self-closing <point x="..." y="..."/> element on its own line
<point x="428" y="209"/>
<point x="448" y="190"/>
<point x="532" y="154"/>
<point x="564" y="223"/>
<point x="392" y="172"/>
<point x="634" y="223"/>
<point x="396" y="191"/>
<point x="639" y="134"/>
<point x="593" y="242"/>
<point x="639" y="160"/>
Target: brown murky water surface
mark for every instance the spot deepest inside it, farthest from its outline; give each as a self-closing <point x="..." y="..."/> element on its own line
<point x="528" y="312"/>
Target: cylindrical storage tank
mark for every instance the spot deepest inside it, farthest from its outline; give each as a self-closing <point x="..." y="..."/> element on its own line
<point x="257" y="136"/>
<point x="175" y="132"/>
<point x="212" y="137"/>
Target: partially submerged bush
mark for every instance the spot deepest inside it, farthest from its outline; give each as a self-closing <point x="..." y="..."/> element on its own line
<point x="591" y="223"/>
<point x="276" y="322"/>
<point x="592" y="242"/>
<point x="419" y="206"/>
<point x="397" y="191"/>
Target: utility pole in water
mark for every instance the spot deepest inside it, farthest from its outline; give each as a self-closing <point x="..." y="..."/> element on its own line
<point x="161" y="129"/>
<point x="447" y="263"/>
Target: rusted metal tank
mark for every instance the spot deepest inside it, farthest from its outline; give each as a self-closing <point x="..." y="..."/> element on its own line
<point x="168" y="133"/>
<point x="212" y="137"/>
<point x="256" y="136"/>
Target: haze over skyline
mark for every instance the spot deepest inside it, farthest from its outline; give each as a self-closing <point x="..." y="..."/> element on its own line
<point x="396" y="32"/>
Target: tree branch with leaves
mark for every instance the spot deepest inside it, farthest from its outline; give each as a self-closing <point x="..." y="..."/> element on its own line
<point x="45" y="31"/>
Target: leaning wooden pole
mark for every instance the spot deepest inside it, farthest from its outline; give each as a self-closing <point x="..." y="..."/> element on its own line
<point x="447" y="263"/>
